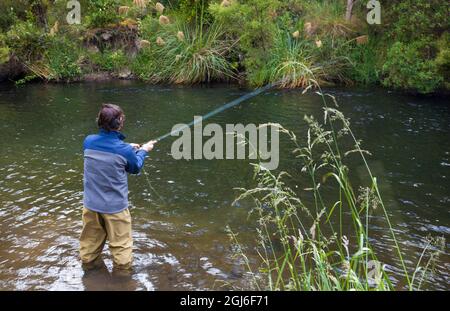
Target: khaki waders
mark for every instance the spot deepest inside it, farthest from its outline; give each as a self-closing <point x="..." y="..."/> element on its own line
<point x="99" y="227"/>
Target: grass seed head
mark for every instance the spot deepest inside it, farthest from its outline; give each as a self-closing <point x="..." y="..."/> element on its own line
<point x="144" y="44"/>
<point x="180" y="35"/>
<point x="159" y="7"/>
<point x="160" y="41"/>
<point x="309" y="29"/>
<point x="225" y="3"/>
<point x="164" y="20"/>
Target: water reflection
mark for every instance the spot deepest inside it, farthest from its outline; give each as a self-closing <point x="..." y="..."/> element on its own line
<point x="97" y="277"/>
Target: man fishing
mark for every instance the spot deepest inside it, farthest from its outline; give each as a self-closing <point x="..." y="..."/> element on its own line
<point x="107" y="160"/>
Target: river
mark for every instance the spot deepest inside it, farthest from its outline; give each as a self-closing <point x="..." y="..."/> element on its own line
<point x="180" y="241"/>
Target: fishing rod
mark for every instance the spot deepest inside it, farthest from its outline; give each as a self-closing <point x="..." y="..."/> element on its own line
<point x="224" y="107"/>
<point x="232" y="103"/>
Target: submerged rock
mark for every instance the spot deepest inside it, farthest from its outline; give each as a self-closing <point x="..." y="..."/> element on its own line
<point x="237" y="270"/>
<point x="97" y="76"/>
<point x="124" y="74"/>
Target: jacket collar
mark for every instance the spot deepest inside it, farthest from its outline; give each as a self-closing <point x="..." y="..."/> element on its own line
<point x="112" y="134"/>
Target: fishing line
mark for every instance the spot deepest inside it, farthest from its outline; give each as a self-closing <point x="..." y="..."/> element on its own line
<point x="226" y="106"/>
<point x="150" y="185"/>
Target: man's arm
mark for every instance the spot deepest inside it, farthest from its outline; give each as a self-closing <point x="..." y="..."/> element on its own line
<point x="135" y="158"/>
<point x="135" y="161"/>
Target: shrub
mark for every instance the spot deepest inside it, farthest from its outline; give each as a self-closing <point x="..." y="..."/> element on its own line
<point x="198" y="56"/>
<point x="144" y="66"/>
<point x="109" y="60"/>
<point x="409" y="66"/>
<point x="297" y="62"/>
<point x="428" y="18"/>
<point x="442" y="59"/>
<point x="102" y="12"/>
<point x="327" y="18"/>
<point x="4" y="50"/>
<point x="253" y="24"/>
<point x="10" y="11"/>
<point x="27" y="41"/>
<point x="189" y="10"/>
<point x="366" y="61"/>
<point x="63" y="60"/>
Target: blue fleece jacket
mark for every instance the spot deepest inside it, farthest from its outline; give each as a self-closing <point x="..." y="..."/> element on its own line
<point x="107" y="160"/>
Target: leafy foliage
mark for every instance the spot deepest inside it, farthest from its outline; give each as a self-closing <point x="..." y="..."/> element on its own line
<point x="102" y="12"/>
<point x="426" y="17"/>
<point x="4" y="50"/>
<point x="109" y="60"/>
<point x="253" y="23"/>
<point x="256" y="41"/>
<point x="63" y="60"/>
<point x="26" y="40"/>
<point x="188" y="54"/>
<point x="408" y="66"/>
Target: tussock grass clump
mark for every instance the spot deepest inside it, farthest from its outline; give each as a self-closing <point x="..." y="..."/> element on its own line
<point x="202" y="55"/>
<point x="326" y="18"/>
<point x="324" y="244"/>
<point x="187" y="54"/>
<point x="300" y="63"/>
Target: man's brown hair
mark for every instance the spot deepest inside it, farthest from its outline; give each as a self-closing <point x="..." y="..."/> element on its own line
<point x="110" y="117"/>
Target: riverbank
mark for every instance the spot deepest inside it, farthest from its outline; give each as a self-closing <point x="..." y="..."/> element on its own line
<point x="250" y="42"/>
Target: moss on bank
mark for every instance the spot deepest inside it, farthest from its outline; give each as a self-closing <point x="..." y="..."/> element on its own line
<point x="251" y="41"/>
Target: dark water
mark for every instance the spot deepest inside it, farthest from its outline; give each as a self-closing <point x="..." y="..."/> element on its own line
<point x="180" y="241"/>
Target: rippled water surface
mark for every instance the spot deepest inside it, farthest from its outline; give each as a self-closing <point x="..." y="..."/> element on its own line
<point x="180" y="241"/>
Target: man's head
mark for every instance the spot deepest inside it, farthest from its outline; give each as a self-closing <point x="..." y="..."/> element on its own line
<point x="110" y="118"/>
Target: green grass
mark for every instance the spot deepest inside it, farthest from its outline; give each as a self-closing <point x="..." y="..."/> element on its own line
<point x="366" y="61"/>
<point x="327" y="16"/>
<point x="109" y="60"/>
<point x="63" y="60"/>
<point x="301" y="63"/>
<point x="305" y="246"/>
<point x="190" y="53"/>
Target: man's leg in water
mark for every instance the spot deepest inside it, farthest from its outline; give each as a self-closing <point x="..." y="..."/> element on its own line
<point x="93" y="237"/>
<point x="118" y="229"/>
